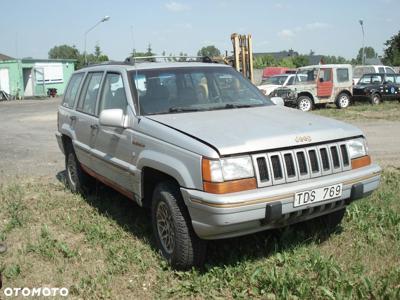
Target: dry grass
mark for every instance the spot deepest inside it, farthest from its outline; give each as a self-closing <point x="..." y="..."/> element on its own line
<point x="389" y="111"/>
<point x="101" y="247"/>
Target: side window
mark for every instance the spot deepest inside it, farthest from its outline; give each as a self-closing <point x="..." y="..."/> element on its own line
<point x="390" y="78"/>
<point x="325" y="75"/>
<point x="342" y="75"/>
<point x="389" y="70"/>
<point x="381" y="70"/>
<point x="376" y="79"/>
<point x="113" y="94"/>
<point x="291" y="80"/>
<point x="397" y="79"/>
<point x="72" y="90"/>
<point x="90" y="90"/>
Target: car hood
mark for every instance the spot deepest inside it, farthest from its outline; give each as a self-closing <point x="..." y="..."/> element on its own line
<point x="235" y="131"/>
<point x="268" y="87"/>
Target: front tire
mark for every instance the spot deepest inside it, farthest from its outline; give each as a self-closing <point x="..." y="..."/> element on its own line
<point x="304" y="103"/>
<point x="376" y="99"/>
<point x="343" y="101"/>
<point x="173" y="230"/>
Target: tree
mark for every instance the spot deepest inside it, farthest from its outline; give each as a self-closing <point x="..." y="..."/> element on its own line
<point x="263" y="61"/>
<point x="300" y="61"/>
<point x="210" y="51"/>
<point x="331" y="59"/>
<point x="369" y="53"/>
<point x="392" y="51"/>
<point x="64" y="52"/>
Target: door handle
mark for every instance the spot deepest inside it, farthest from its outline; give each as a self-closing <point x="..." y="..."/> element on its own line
<point x="94" y="126"/>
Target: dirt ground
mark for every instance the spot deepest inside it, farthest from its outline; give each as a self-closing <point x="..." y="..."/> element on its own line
<point x="28" y="145"/>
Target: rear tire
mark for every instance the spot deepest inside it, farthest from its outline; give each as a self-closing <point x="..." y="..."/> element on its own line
<point x="376" y="99"/>
<point x="304" y="103"/>
<point x="173" y="230"/>
<point x="342" y="101"/>
<point x="76" y="179"/>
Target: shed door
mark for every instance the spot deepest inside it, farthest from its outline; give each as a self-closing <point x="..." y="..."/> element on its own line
<point x="4" y="81"/>
<point x="325" y="83"/>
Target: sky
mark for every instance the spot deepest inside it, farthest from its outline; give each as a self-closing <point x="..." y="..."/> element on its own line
<point x="30" y="28"/>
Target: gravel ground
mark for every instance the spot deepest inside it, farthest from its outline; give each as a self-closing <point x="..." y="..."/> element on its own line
<point x="28" y="146"/>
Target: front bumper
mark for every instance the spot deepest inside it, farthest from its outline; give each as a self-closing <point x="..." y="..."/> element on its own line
<point x="223" y="216"/>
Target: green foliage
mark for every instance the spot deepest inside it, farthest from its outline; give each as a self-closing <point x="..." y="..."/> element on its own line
<point x="210" y="51"/>
<point x="369" y="53"/>
<point x="331" y="59"/>
<point x="392" y="50"/>
<point x="261" y="62"/>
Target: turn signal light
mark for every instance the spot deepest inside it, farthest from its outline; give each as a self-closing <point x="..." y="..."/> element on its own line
<point x="230" y="186"/>
<point x="361" y="162"/>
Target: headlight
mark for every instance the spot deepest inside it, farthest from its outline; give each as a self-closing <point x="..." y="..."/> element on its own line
<point x="237" y="168"/>
<point x="228" y="175"/>
<point x="357" y="148"/>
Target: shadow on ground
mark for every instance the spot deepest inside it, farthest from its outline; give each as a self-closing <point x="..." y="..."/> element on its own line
<point x="136" y="221"/>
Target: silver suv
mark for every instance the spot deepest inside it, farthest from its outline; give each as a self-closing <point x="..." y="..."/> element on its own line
<point x="207" y="153"/>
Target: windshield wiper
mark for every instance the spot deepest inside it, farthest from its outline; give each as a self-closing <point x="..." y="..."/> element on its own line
<point x="182" y="109"/>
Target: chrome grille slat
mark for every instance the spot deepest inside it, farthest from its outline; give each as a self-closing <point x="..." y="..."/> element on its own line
<point x="287" y="166"/>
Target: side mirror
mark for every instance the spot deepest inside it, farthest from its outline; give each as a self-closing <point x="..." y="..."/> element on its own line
<point x="277" y="101"/>
<point x="321" y="80"/>
<point x="112" y="118"/>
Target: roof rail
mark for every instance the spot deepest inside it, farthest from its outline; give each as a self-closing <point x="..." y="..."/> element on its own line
<point x="181" y="58"/>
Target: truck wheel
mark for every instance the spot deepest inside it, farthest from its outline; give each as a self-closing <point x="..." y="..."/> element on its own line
<point x="173" y="229"/>
<point x="76" y="179"/>
<point x="375" y="99"/>
<point x="343" y="100"/>
<point x="305" y="103"/>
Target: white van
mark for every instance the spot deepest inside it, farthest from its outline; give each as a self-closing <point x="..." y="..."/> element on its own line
<point x="359" y="71"/>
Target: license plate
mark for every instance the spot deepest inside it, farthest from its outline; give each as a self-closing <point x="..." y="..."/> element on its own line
<point x="318" y="195"/>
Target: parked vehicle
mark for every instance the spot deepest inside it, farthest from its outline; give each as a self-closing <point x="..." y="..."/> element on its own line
<point x="207" y="153"/>
<point x="376" y="87"/>
<point x="269" y="85"/>
<point x="271" y="71"/>
<point x="359" y="71"/>
<point x="324" y="84"/>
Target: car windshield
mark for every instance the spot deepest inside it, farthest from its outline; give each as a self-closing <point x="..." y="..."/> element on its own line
<point x="306" y="75"/>
<point x="186" y="89"/>
<point x="370" y="79"/>
<point x="275" y="80"/>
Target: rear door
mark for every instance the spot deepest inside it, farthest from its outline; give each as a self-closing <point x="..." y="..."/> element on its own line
<point x="324" y="83"/>
<point x="391" y="88"/>
<point x="85" y="124"/>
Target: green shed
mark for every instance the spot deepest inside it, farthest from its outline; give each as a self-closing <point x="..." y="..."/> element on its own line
<point x="29" y="77"/>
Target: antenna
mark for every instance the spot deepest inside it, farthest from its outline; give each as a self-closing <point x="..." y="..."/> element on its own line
<point x="136" y="71"/>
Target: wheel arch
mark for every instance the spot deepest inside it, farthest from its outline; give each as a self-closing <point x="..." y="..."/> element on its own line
<point x="307" y="94"/>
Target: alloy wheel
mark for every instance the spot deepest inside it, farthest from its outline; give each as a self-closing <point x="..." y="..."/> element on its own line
<point x="165" y="227"/>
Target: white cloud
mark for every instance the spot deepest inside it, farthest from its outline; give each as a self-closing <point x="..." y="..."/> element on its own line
<point x="316" y="25"/>
<point x="286" y="33"/>
<point x="176" y="7"/>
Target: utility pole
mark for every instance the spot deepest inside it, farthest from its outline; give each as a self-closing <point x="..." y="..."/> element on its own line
<point x="363" y="41"/>
<point x="105" y="18"/>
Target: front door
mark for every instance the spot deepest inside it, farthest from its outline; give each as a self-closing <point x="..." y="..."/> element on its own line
<point x="390" y="87"/>
<point x="113" y="146"/>
<point x="324" y="83"/>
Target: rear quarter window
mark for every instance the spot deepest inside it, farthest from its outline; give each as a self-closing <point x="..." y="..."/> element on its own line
<point x="72" y="90"/>
<point x="342" y="75"/>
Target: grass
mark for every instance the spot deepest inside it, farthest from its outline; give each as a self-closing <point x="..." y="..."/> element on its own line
<point x="101" y="247"/>
<point x="388" y="110"/>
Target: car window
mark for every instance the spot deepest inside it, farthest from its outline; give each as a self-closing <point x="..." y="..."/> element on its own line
<point x="397" y="79"/>
<point x="381" y="70"/>
<point x="342" y="75"/>
<point x="365" y="80"/>
<point x="113" y="93"/>
<point x="87" y="103"/>
<point x="359" y="71"/>
<point x="325" y="75"/>
<point x="390" y="70"/>
<point x="72" y="90"/>
<point x="376" y="79"/>
<point x="291" y="80"/>
<point x="389" y="78"/>
<point x="309" y="75"/>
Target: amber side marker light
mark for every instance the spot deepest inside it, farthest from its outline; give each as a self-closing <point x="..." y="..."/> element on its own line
<point x="231" y="186"/>
<point x="361" y="162"/>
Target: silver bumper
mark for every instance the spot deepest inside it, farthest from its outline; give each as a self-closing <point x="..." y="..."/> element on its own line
<point x="222" y="216"/>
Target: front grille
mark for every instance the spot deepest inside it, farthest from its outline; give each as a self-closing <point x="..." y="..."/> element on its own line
<point x="301" y="163"/>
